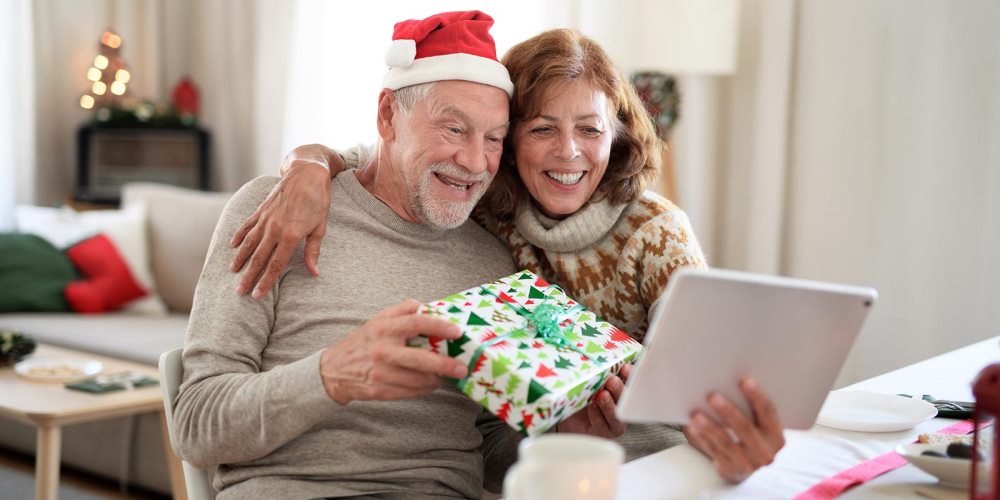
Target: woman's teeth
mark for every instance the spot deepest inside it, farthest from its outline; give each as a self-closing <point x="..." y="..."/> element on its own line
<point x="567" y="179"/>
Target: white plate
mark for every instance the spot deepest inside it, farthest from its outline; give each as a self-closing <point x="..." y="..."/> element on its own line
<point x="951" y="472"/>
<point x="873" y="412"/>
<point x="58" y="369"/>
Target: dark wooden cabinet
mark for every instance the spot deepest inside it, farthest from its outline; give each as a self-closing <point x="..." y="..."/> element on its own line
<point x="109" y="157"/>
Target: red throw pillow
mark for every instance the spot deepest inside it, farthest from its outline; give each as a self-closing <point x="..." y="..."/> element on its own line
<point x="108" y="285"/>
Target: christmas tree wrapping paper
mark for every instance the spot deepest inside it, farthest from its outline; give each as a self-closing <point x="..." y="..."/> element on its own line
<point x="535" y="355"/>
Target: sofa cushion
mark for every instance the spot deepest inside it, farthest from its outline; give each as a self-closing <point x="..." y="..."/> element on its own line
<point x="126" y="228"/>
<point x="133" y="337"/>
<point x="33" y="274"/>
<point x="108" y="283"/>
<point x="180" y="225"/>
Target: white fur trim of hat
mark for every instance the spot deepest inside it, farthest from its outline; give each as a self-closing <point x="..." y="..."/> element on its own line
<point x="457" y="66"/>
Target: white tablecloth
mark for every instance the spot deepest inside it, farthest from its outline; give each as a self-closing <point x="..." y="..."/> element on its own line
<point x="814" y="455"/>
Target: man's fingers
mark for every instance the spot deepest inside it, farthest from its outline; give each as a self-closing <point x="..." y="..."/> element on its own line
<point x="392" y="393"/>
<point x="260" y="256"/>
<point x="421" y="361"/>
<point x="314" y="242"/>
<point x="275" y="265"/>
<point x="412" y="325"/>
<point x="248" y="243"/>
<point x="244" y="228"/>
<point x="406" y="307"/>
<point x="392" y="375"/>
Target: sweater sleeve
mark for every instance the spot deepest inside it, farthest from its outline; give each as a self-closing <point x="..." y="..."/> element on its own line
<point x="357" y="156"/>
<point x="668" y="243"/>
<point x="228" y="410"/>
<point x="499" y="449"/>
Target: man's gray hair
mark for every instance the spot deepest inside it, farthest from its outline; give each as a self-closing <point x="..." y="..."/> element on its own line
<point x="407" y="97"/>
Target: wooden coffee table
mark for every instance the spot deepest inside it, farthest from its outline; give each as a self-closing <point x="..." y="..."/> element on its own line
<point x="50" y="406"/>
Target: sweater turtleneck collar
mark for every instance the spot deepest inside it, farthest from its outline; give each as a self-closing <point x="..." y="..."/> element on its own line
<point x="578" y="231"/>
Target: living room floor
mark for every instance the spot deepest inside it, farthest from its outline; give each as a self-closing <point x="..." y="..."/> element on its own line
<point x="17" y="465"/>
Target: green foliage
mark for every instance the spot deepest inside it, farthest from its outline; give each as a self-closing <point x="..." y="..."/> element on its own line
<point x="14" y="346"/>
<point x="660" y="94"/>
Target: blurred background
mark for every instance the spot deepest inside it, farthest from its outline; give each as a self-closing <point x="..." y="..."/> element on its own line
<point x="855" y="141"/>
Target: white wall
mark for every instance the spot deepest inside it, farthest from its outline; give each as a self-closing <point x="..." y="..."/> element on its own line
<point x="17" y="131"/>
<point x="235" y="51"/>
<point x="864" y="147"/>
<point x="896" y="168"/>
<point x="858" y="140"/>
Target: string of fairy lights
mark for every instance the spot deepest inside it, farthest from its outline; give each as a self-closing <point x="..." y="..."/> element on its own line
<point x="109" y="76"/>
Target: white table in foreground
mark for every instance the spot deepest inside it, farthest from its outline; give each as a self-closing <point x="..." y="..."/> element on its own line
<point x="813" y="455"/>
<point x="50" y="406"/>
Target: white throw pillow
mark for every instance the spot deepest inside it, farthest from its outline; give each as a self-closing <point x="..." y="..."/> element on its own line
<point x="64" y="227"/>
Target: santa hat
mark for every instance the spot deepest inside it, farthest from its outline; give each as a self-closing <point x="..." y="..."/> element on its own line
<point x="448" y="46"/>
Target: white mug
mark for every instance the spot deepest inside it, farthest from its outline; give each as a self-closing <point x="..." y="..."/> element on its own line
<point x="564" y="466"/>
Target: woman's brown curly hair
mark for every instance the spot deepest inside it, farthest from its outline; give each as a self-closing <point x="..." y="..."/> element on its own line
<point x="563" y="55"/>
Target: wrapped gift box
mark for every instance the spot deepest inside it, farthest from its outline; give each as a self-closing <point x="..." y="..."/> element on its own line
<point x="535" y="355"/>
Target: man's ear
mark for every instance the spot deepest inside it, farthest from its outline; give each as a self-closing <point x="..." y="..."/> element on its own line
<point x="387" y="115"/>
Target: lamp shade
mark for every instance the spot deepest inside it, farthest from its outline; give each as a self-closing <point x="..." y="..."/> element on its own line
<point x="680" y="37"/>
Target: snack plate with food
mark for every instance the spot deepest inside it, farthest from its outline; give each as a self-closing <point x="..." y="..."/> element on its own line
<point x="946" y="457"/>
<point x="57" y="369"/>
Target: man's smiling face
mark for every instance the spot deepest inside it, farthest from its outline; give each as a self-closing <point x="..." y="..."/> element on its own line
<point x="448" y="148"/>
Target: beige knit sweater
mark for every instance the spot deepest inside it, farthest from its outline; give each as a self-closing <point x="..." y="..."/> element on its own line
<point x="252" y="397"/>
<point x="615" y="259"/>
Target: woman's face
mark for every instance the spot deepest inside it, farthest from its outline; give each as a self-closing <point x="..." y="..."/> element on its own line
<point x="563" y="152"/>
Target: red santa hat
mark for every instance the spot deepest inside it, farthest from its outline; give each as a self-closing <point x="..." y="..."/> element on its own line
<point x="447" y="46"/>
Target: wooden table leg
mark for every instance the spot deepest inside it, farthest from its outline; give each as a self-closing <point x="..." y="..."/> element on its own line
<point x="47" y="462"/>
<point x="177" y="485"/>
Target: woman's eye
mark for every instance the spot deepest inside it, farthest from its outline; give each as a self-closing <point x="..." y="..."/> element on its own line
<point x="455" y="130"/>
<point x="592" y="131"/>
<point x="541" y="130"/>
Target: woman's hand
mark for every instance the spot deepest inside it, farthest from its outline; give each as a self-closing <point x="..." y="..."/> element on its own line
<point x="739" y="444"/>
<point x="598" y="418"/>
<point x="296" y="209"/>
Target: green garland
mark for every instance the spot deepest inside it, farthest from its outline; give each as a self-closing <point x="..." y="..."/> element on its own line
<point x="662" y="97"/>
<point x="142" y="114"/>
<point x="14" y="346"/>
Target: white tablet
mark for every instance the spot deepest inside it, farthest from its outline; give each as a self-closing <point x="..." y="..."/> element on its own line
<point x="712" y="328"/>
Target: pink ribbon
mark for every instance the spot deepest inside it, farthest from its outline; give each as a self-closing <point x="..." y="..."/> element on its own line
<point x="833" y="486"/>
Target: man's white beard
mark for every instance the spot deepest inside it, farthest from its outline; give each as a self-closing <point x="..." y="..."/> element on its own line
<point x="445" y="214"/>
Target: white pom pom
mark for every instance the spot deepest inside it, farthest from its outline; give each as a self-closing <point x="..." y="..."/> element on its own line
<point x="401" y="53"/>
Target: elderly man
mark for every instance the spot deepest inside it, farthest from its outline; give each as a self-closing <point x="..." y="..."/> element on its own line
<point x="300" y="394"/>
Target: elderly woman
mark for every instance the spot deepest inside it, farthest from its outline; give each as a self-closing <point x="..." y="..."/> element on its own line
<point x="570" y="203"/>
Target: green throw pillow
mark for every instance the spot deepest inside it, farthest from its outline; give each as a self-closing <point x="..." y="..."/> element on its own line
<point x="33" y="274"/>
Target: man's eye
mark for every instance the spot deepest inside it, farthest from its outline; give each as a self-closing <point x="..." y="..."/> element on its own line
<point x="495" y="140"/>
<point x="455" y="130"/>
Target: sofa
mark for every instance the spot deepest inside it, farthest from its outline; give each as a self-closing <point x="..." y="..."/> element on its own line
<point x="178" y="229"/>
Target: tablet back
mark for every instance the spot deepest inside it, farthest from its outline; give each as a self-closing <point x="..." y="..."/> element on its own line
<point x="712" y="328"/>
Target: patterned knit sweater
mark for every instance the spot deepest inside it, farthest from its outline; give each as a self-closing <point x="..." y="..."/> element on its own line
<point x="615" y="259"/>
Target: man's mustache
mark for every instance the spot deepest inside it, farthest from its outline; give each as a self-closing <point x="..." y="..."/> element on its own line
<point x="458" y="173"/>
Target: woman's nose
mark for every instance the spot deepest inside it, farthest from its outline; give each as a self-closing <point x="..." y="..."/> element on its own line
<point x="567" y="148"/>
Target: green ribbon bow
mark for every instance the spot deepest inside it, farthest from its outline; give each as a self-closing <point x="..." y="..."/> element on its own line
<point x="545" y="321"/>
